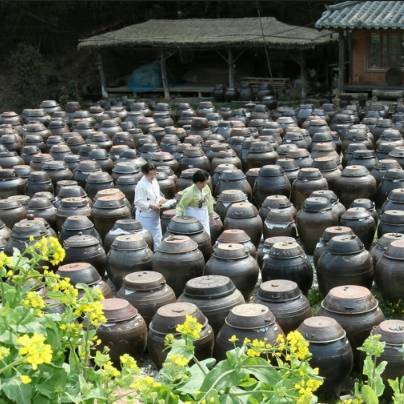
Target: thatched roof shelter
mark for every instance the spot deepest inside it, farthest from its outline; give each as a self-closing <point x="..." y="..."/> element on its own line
<point x="211" y="33"/>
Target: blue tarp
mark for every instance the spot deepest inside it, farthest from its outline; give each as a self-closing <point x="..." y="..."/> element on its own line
<point x="145" y="78"/>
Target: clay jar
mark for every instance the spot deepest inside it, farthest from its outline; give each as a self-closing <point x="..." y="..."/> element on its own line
<point x="10" y="184"/>
<point x="271" y="180"/>
<point x="228" y="198"/>
<point x="237" y="236"/>
<point x="328" y="234"/>
<point x="128" y="253"/>
<point x="280" y="222"/>
<point x="107" y="210"/>
<point x="266" y="245"/>
<point x="11" y="212"/>
<point x="38" y="181"/>
<point x="85" y="248"/>
<point x="331" y="353"/>
<point x="368" y="205"/>
<point x="381" y="244"/>
<point x="245" y="216"/>
<point x="355" y="182"/>
<point x="308" y="180"/>
<point x="75" y="206"/>
<point x="392" y="334"/>
<point x="191" y="227"/>
<point x="259" y="154"/>
<point x="286" y="301"/>
<point x="389" y="272"/>
<point x="355" y="309"/>
<point x="215" y="226"/>
<point x="233" y="261"/>
<point x="127" y="226"/>
<point x="315" y="216"/>
<point x="147" y="291"/>
<point x="97" y="181"/>
<point x="329" y="169"/>
<point x="74" y="225"/>
<point x="82" y="272"/>
<point x="276" y="202"/>
<point x="287" y="260"/>
<point x="344" y="262"/>
<point x="215" y="295"/>
<point x="393" y="179"/>
<point x="391" y="221"/>
<point x="233" y="179"/>
<point x="250" y="320"/>
<point x="178" y="259"/>
<point x="165" y="322"/>
<point x="362" y="224"/>
<point x="336" y="205"/>
<point x="125" y="331"/>
<point x="395" y="200"/>
<point x="42" y="207"/>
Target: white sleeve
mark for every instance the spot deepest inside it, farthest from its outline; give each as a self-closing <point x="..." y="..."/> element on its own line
<point x="141" y="201"/>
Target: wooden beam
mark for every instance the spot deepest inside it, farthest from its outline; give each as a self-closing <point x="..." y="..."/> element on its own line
<point x="341" y="62"/>
<point x="231" y="67"/>
<point x="303" y="73"/>
<point x="103" y="81"/>
<point x="164" y="79"/>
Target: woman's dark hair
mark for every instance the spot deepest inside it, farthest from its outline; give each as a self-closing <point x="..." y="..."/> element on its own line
<point x="200" y="176"/>
<point x="148" y="167"/>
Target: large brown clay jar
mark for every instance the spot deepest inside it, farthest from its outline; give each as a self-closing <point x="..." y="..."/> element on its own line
<point x="391" y="221"/>
<point x="381" y="244"/>
<point x="11" y="212"/>
<point x="232" y="236"/>
<point x="228" y="198"/>
<point x="147" y="291"/>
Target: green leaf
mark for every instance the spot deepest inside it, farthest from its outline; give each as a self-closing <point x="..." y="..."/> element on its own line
<point x="369" y="396"/>
<point x="17" y="392"/>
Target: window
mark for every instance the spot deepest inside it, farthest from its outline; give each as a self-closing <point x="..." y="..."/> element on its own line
<point x="386" y="49"/>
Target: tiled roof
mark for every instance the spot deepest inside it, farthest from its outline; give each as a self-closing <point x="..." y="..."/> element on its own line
<point x="363" y="14"/>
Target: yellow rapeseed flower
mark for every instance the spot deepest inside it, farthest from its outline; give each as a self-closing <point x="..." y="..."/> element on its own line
<point x="252" y="353"/>
<point x="5" y="260"/>
<point x="34" y="300"/>
<point x="34" y="349"/>
<point x="298" y="346"/>
<point x="50" y="249"/>
<point x="178" y="360"/>
<point x="145" y="383"/>
<point x="233" y="339"/>
<point x="93" y="311"/>
<point x="129" y="362"/>
<point x="4" y="352"/>
<point x="25" y="379"/>
<point x="190" y="327"/>
<point x="110" y="371"/>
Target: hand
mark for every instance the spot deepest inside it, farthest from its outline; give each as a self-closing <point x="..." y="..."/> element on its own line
<point x="162" y="200"/>
<point x="155" y="207"/>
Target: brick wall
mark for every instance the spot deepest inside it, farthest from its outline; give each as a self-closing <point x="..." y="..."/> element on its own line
<point x="360" y="72"/>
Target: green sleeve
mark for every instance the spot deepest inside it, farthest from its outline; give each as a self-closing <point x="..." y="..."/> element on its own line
<point x="184" y="202"/>
<point x="210" y="202"/>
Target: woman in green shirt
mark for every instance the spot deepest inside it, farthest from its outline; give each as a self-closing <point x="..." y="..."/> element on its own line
<point x="197" y="200"/>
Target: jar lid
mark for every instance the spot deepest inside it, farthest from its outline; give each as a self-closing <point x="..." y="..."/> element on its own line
<point x="177" y="244"/>
<point x="298" y="154"/>
<point x="387" y="238"/>
<point x="345" y="244"/>
<point x="278" y="291"/>
<point x="242" y="210"/>
<point x="7" y="173"/>
<point x="325" y="193"/>
<point x="394" y="174"/>
<point x="193" y="152"/>
<point x="286" y="250"/>
<point x="395" y="250"/>
<point x="249" y="316"/>
<point x="288" y="164"/>
<point x="109" y="202"/>
<point x="231" y="175"/>
<point x="231" y="251"/>
<point x="309" y="173"/>
<point x="132" y="242"/>
<point x="128" y="225"/>
<point x="349" y="299"/>
<point x="355" y="171"/>
<point x="234" y="236"/>
<point x="355" y="214"/>
<point x="394" y="217"/>
<point x="9" y="204"/>
<point x="333" y="231"/>
<point x="272" y="170"/>
<point x="209" y="287"/>
<point x="316" y="204"/>
<point x="88" y="166"/>
<point x="127" y="179"/>
<point x="79" y="272"/>
<point x="144" y="280"/>
<point x="321" y="330"/>
<point x="363" y="154"/>
<point x="116" y="310"/>
<point x="99" y="178"/>
<point x="125" y="167"/>
<point x="184" y="225"/>
<point x="363" y="203"/>
<point x="276" y="202"/>
<point x="74" y="202"/>
<point x="232" y="196"/>
<point x="71" y="191"/>
<point x="38" y="176"/>
<point x="397" y="195"/>
<point x="391" y="332"/>
<point x="270" y="241"/>
<point x="279" y="216"/>
<point x="39" y="203"/>
<point x="170" y="315"/>
<point x="77" y="222"/>
<point x="387" y="164"/>
<point x="80" y="241"/>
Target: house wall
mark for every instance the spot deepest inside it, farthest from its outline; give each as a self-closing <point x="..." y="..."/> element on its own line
<point x="360" y="72"/>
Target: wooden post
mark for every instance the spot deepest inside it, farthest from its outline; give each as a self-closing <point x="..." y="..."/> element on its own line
<point x="164" y="79"/>
<point x="341" y="62"/>
<point x="303" y="74"/>
<point x="101" y="72"/>
<point x="231" y="69"/>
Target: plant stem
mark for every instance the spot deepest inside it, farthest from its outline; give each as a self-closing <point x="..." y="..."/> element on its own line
<point x="217" y="381"/>
<point x="10" y="365"/>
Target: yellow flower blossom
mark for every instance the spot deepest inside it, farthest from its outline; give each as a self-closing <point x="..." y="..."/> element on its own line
<point x="298" y="346"/>
<point x="233" y="339"/>
<point x="129" y="362"/>
<point x="25" y="379"/>
<point x="246" y="341"/>
<point x="34" y="349"/>
<point x="4" y="352"/>
<point x="50" y="249"/>
<point x="145" y="383"/>
<point x="5" y="260"/>
<point x="110" y="371"/>
<point x="34" y="300"/>
<point x="252" y="353"/>
<point x="93" y="312"/>
<point x="190" y="328"/>
<point x="177" y="360"/>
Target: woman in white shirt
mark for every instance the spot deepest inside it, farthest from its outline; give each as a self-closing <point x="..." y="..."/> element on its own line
<point x="148" y="201"/>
